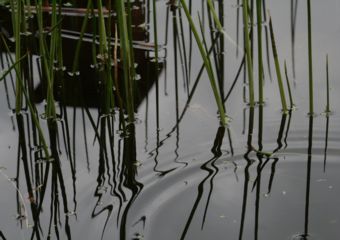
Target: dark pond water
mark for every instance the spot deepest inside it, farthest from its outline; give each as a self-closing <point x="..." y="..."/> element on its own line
<point x="187" y="179"/>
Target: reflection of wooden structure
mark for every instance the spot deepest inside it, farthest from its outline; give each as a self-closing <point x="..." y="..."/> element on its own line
<point x="85" y="89"/>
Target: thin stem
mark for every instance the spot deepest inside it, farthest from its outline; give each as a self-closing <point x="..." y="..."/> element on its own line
<point x="277" y="67"/>
<point x="206" y="63"/>
<point x="310" y="59"/>
<point x="249" y="62"/>
<point x="327" y="80"/>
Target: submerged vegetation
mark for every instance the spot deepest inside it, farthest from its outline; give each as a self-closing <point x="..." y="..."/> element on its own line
<point x="102" y="58"/>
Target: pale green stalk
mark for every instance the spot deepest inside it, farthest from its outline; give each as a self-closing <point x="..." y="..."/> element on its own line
<point x="82" y="31"/>
<point x="105" y="55"/>
<point x="288" y="85"/>
<point x="219" y="25"/>
<point x="259" y="46"/>
<point x="277" y="68"/>
<point x="310" y="59"/>
<point x="327" y="82"/>
<point x="16" y="20"/>
<point x="206" y="63"/>
<point x="126" y="52"/>
<point x="249" y="62"/>
<point x="46" y="67"/>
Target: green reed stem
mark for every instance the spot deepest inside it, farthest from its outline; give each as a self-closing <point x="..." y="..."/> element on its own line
<point x="13" y="66"/>
<point x="82" y="31"/>
<point x="277" y="68"/>
<point x="259" y="46"/>
<point x="249" y="62"/>
<point x="103" y="48"/>
<point x="106" y="58"/>
<point x="215" y="16"/>
<point x="219" y="25"/>
<point x="327" y="82"/>
<point x="50" y="109"/>
<point x="17" y="18"/>
<point x="126" y="52"/>
<point x="288" y="85"/>
<point x="206" y="63"/>
<point x="310" y="59"/>
<point x="46" y="59"/>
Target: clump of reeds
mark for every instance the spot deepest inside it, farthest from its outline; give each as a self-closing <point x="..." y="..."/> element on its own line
<point x="125" y="36"/>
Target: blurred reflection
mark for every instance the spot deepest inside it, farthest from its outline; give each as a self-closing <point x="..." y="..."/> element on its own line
<point x="212" y="170"/>
<point x="85" y="86"/>
<point x="117" y="170"/>
<point x="263" y="158"/>
<point x="51" y="186"/>
<point x="305" y="234"/>
<point x="2" y="235"/>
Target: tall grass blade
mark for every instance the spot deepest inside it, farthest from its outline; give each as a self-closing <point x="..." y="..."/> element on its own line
<point x="219" y="25"/>
<point x="328" y="110"/>
<point x="259" y="46"/>
<point x="126" y="55"/>
<point x="289" y="89"/>
<point x="82" y="31"/>
<point x="8" y="71"/>
<point x="46" y="61"/>
<point x="310" y="59"/>
<point x="249" y="61"/>
<point x="17" y="20"/>
<point x="277" y="68"/>
<point x="206" y="63"/>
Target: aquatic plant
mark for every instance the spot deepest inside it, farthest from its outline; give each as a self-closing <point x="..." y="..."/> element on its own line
<point x="207" y="63"/>
<point x="288" y="86"/>
<point x="277" y="68"/>
<point x="328" y="110"/>
<point x="310" y="58"/>
<point x="127" y="55"/>
<point x="249" y="60"/>
<point x="259" y="49"/>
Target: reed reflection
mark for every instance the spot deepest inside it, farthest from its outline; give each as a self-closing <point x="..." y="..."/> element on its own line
<point x="293" y="17"/>
<point x="2" y="235"/>
<point x="262" y="159"/>
<point x="305" y="234"/>
<point x="117" y="171"/>
<point x="42" y="175"/>
<point x="212" y="170"/>
<point x="326" y="143"/>
<point x="246" y="171"/>
<point x="77" y="91"/>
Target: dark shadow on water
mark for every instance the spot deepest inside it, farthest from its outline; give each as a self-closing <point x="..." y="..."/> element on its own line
<point x="326" y="143"/>
<point x="246" y="172"/>
<point x="308" y="177"/>
<point x="129" y="170"/>
<point x="37" y="177"/>
<point x="212" y="170"/>
<point x="2" y="236"/>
